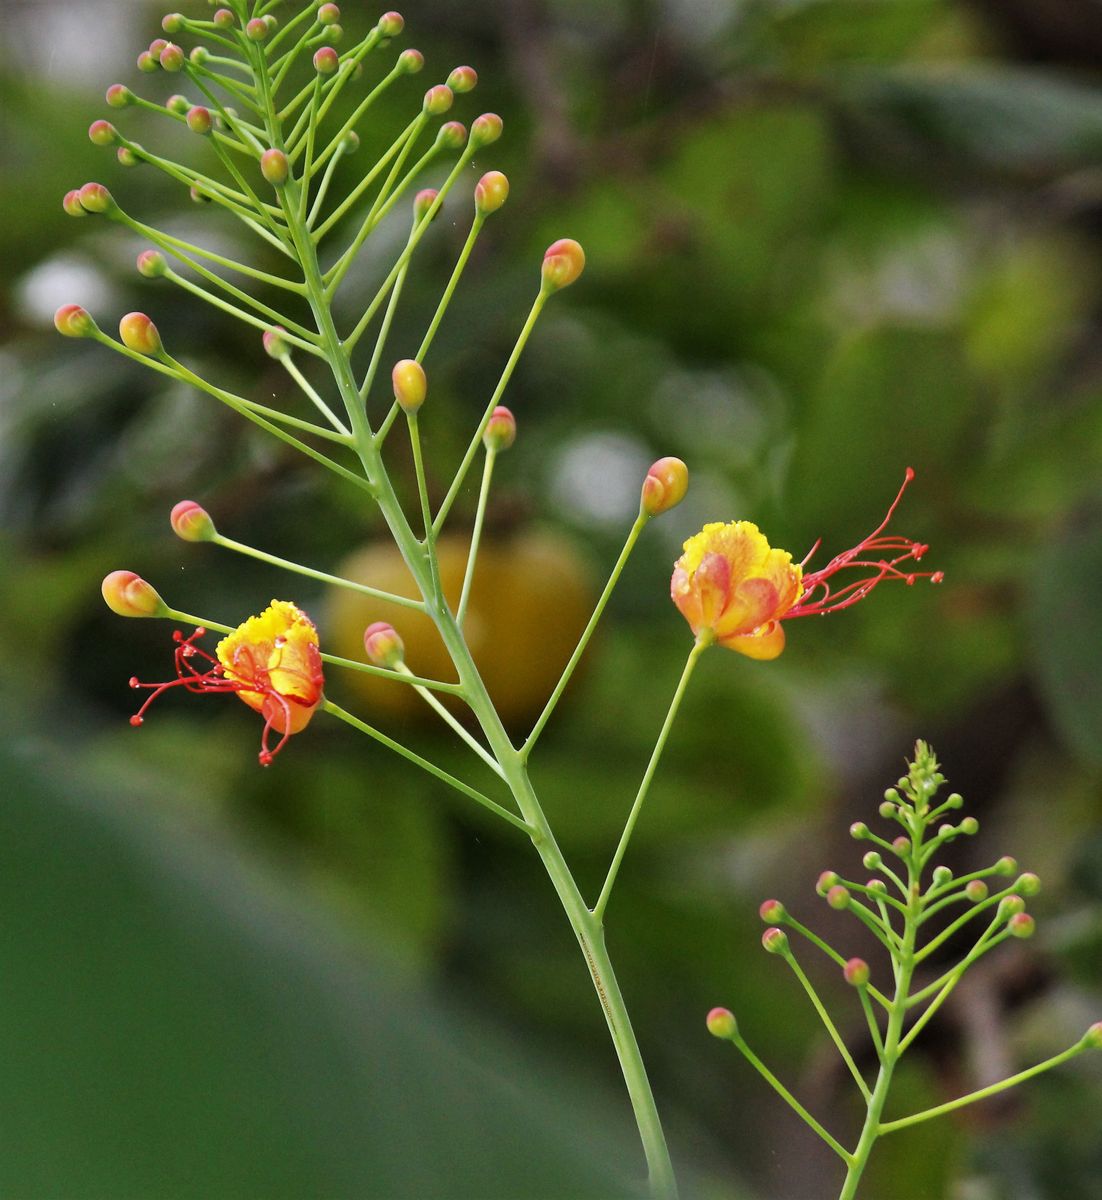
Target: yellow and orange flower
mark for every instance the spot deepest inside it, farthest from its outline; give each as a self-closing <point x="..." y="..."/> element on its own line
<point x="734" y="589"/>
<point x="271" y="661"/>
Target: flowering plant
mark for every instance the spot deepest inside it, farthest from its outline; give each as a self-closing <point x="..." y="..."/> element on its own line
<point x="277" y="151"/>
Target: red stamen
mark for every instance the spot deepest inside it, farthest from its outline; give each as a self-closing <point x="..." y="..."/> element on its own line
<point x="818" y="597"/>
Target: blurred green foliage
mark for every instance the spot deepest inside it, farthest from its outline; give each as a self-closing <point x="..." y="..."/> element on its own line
<point x="827" y="239"/>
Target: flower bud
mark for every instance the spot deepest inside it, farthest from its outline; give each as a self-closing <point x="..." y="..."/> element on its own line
<point x="410" y="384"/>
<point x="171" y="58"/>
<point x="501" y="430"/>
<point x="257" y="29"/>
<point x="838" y="897"/>
<point x="147" y="62"/>
<point x="224" y="19"/>
<point x="856" y="972"/>
<point x="1006" y="865"/>
<point x="157" y="45"/>
<point x="891" y="795"/>
<point x="872" y="861"/>
<point x="71" y="320"/>
<point x="198" y="195"/>
<point x="1021" y="925"/>
<point x="947" y="832"/>
<point x="191" y="522"/>
<point x="329" y="14"/>
<point x="173" y="22"/>
<point x="275" y="346"/>
<point x="1092" y="1039"/>
<point x="391" y="24"/>
<point x="438" y="100"/>
<point x="383" y="645"/>
<point x="955" y="800"/>
<point x="1028" y="884"/>
<point x="72" y="205"/>
<point x="199" y="120"/>
<point x="102" y="133"/>
<point x="95" y="198"/>
<point x="1010" y="906"/>
<point x="858" y="830"/>
<point x="942" y="875"/>
<point x="877" y="886"/>
<point x="976" y="890"/>
<point x="463" y="79"/>
<point x="452" y="135"/>
<point x="137" y="332"/>
<point x="664" y="486"/>
<point x="423" y="201"/>
<point x="969" y="826"/>
<point x="772" y="912"/>
<point x="563" y="262"/>
<point x="888" y="810"/>
<point x="410" y="62"/>
<point x="722" y="1024"/>
<point x="272" y="22"/>
<point x="486" y="129"/>
<point x="178" y="104"/>
<point x="775" y="940"/>
<point x="350" y="143"/>
<point x="274" y="167"/>
<point x="119" y="95"/>
<point x="901" y="846"/>
<point x="130" y="596"/>
<point x="151" y="264"/>
<point x="490" y="193"/>
<point x="326" y="60"/>
<point x="127" y="157"/>
<point x="826" y="881"/>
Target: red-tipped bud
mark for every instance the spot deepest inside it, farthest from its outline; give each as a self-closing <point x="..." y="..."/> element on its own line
<point x="1006" y="865"/>
<point x="452" y="135"/>
<point x="1021" y="925"/>
<point x="423" y="201"/>
<point x="127" y="157"/>
<point x="856" y="972"/>
<point x="71" y="320"/>
<point x="157" y="45"/>
<point x="838" y="897"/>
<point x="95" y="198"/>
<point x="858" y="830"/>
<point x="563" y="262"/>
<point x="119" y="95"/>
<point x="772" y="912"/>
<point x="200" y="120"/>
<point x="274" y="167"/>
<point x="224" y="19"/>
<point x="171" y="58"/>
<point x="463" y="79"/>
<point x="257" y="29"/>
<point x="664" y="487"/>
<point x="976" y="890"/>
<point x="151" y="264"/>
<point x="147" y="62"/>
<point x="501" y="430"/>
<point x="329" y="14"/>
<point x="191" y="522"/>
<point x="275" y="345"/>
<point x="130" y="596"/>
<point x="1092" y="1039"/>
<point x="826" y="881"/>
<point x="486" y="129"/>
<point x="102" y="133"/>
<point x="72" y="205"/>
<point x="410" y="384"/>
<point x="775" y="940"/>
<point x="1011" y="906"/>
<point x="722" y="1024"/>
<point x="383" y="646"/>
<point x="410" y="62"/>
<point x="438" y="100"/>
<point x="137" y="332"/>
<point x="901" y="847"/>
<point x="173" y="23"/>
<point x="490" y="193"/>
<point x="391" y="24"/>
<point x="178" y="104"/>
<point x="326" y="60"/>
<point x="1028" y="884"/>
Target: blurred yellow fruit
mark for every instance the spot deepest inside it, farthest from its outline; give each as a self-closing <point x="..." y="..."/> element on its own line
<point x="530" y="599"/>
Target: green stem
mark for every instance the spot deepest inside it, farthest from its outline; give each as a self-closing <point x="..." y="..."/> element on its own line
<point x="426" y="513"/>
<point x="614" y="869"/>
<point x="289" y="366"/>
<point x="442" y="711"/>
<point x="476" y="536"/>
<point x="361" y="187"/>
<point x="449" y="291"/>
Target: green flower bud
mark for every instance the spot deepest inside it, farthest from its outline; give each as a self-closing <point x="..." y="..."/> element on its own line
<point x="775" y="940"/>
<point x="151" y="264"/>
<point x="772" y="912"/>
<point x="1021" y="925"/>
<point x="722" y="1024"/>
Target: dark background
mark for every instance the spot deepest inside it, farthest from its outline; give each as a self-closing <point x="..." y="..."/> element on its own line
<point x="827" y="240"/>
